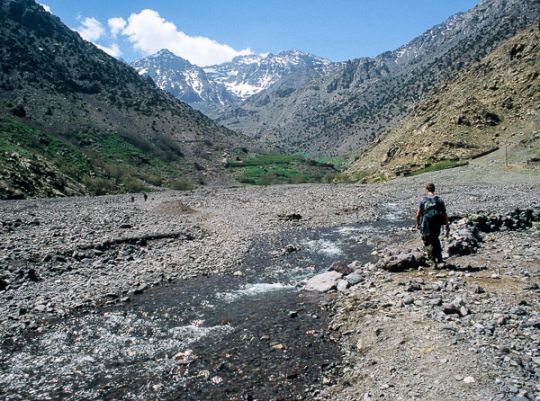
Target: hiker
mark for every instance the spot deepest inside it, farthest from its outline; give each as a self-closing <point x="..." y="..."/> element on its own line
<point x="145" y="196"/>
<point x="430" y="216"/>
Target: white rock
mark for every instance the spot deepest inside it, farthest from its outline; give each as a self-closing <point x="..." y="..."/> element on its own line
<point x="342" y="285"/>
<point x="323" y="282"/>
<point x="469" y="379"/>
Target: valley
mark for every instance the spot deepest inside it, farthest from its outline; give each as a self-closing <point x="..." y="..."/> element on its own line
<point x="245" y="230"/>
<point x="110" y="270"/>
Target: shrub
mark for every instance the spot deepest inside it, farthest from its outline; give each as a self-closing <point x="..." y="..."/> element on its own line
<point x="442" y="165"/>
<point x="132" y="184"/>
<point x="98" y="185"/>
<point x="180" y="184"/>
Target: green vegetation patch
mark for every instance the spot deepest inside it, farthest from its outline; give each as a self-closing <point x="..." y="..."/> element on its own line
<point x="29" y="142"/>
<point x="104" y="163"/>
<point x="442" y="165"/>
<point x="349" y="178"/>
<point x="269" y="169"/>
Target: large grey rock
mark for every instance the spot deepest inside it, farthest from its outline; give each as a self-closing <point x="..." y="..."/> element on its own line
<point x="323" y="282"/>
<point x="354" y="278"/>
<point x="401" y="262"/>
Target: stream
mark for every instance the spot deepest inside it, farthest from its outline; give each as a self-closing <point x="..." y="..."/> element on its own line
<point x="251" y="335"/>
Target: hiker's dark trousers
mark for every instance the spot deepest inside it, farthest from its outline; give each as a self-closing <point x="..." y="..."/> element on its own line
<point x="433" y="248"/>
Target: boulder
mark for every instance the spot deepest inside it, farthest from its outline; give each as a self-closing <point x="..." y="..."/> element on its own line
<point x="340" y="267"/>
<point x="323" y="282"/>
<point x="402" y="261"/>
<point x="354" y="278"/>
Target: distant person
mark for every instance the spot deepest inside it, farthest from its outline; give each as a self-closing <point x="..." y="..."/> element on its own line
<point x="145" y="196"/>
<point x="430" y="216"/>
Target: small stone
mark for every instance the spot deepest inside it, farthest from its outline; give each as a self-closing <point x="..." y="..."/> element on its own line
<point x="469" y="379"/>
<point x="354" y="278"/>
<point x="414" y="287"/>
<point x="436" y="301"/>
<point x="140" y="289"/>
<point x="32" y="275"/>
<point x="450" y="308"/>
<point x="478" y="290"/>
<point x="408" y="300"/>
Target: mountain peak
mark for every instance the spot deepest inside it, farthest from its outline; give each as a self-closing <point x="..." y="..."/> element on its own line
<point x="166" y="53"/>
<point x="226" y="83"/>
<point x="295" y="52"/>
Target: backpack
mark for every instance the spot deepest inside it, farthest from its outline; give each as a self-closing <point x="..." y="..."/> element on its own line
<point x="432" y="216"/>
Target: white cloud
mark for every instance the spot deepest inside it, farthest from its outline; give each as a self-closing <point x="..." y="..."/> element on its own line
<point x="149" y="33"/>
<point x="113" y="50"/>
<point x="45" y="7"/>
<point x="116" y="25"/>
<point x="90" y="29"/>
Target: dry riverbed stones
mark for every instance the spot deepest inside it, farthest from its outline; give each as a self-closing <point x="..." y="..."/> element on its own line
<point x="399" y="330"/>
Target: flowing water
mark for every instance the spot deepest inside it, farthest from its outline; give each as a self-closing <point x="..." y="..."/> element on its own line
<point x="254" y="336"/>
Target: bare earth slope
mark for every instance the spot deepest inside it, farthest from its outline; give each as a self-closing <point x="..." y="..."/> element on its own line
<point x="491" y="104"/>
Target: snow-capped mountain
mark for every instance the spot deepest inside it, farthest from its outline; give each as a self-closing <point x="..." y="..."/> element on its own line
<point x="210" y="88"/>
<point x="246" y="76"/>
<point x="183" y="80"/>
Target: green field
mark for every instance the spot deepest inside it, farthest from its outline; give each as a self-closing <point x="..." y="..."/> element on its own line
<point x="442" y="165"/>
<point x="269" y="169"/>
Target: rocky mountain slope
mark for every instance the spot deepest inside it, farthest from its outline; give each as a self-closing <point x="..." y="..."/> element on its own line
<point x="491" y="104"/>
<point x="211" y="88"/>
<point x="246" y="76"/>
<point x="183" y="80"/>
<point x="346" y="110"/>
<point x="95" y="106"/>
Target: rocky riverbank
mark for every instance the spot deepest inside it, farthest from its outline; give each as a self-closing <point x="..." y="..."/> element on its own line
<point x="466" y="331"/>
<point x="65" y="256"/>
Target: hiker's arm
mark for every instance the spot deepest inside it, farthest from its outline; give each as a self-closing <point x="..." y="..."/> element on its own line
<point x="446" y="222"/>
<point x="445" y="215"/>
<point x="418" y="217"/>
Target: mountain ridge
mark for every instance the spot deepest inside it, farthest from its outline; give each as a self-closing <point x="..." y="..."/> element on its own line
<point x="213" y="87"/>
<point x="345" y="111"/>
<point x="53" y="80"/>
<point x="491" y="104"/>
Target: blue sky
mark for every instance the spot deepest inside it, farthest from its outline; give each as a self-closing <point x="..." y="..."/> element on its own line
<point x="211" y="31"/>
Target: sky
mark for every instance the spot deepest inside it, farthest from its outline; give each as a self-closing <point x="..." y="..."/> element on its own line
<point x="207" y="32"/>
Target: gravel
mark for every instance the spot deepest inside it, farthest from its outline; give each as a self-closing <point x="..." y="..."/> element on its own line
<point x="468" y="331"/>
